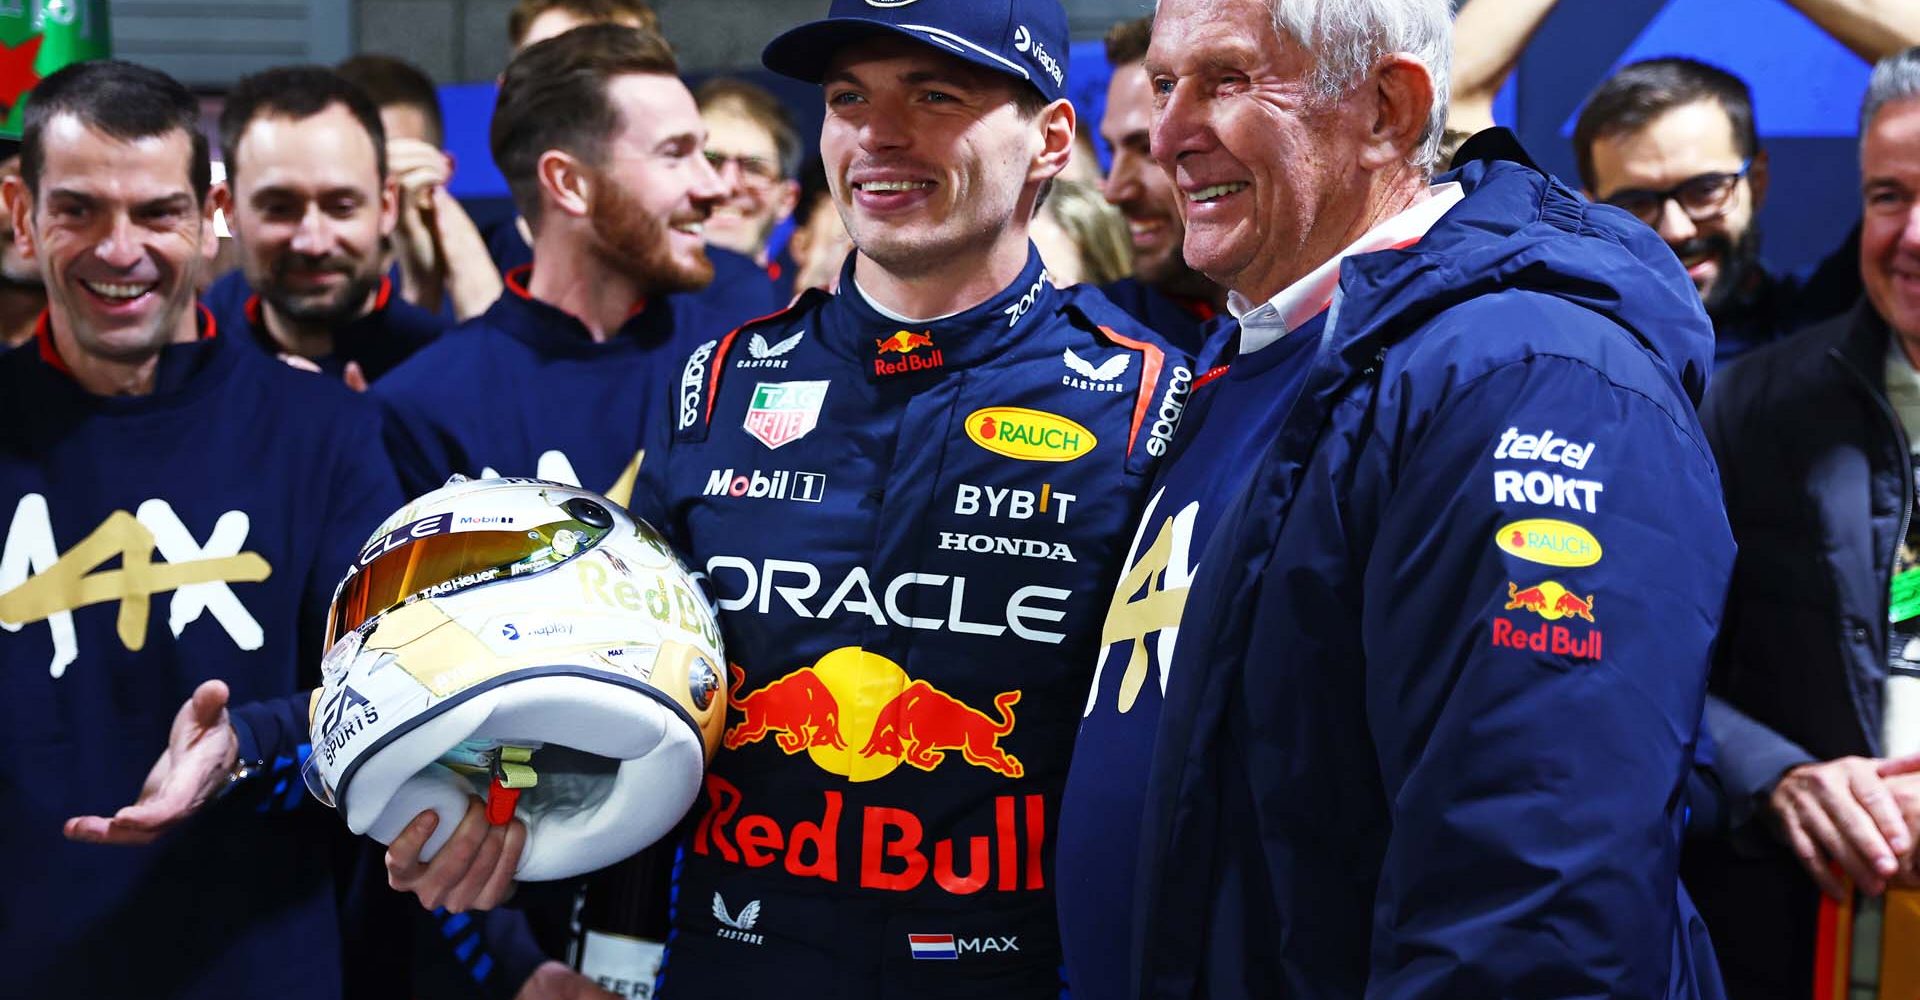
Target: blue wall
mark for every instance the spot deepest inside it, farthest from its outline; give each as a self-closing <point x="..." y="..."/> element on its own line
<point x="1806" y="87"/>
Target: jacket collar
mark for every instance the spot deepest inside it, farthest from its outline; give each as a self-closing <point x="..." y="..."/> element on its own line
<point x="1862" y="343"/>
<point x="548" y="328"/>
<point x="890" y="349"/>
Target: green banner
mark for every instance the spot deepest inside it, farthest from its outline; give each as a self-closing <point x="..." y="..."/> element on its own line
<point x="37" y="38"/>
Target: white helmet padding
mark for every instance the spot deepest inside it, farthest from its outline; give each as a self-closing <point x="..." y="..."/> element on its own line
<point x="658" y="776"/>
<point x="530" y="644"/>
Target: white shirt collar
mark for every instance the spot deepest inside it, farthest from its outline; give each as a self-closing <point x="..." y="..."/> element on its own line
<point x="1262" y="324"/>
<point x="896" y="317"/>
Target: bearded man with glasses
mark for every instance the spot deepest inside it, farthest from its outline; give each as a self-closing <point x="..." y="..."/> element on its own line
<point x="1673" y="142"/>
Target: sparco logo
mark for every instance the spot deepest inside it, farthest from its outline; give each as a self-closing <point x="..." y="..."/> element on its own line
<point x="691" y="380"/>
<point x="1172" y="405"/>
<point x="783" y="484"/>
<point x="1003" y="546"/>
<point x="1023" y="41"/>
<point x="1019" y="309"/>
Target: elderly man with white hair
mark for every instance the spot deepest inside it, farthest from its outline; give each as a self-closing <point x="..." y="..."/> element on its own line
<point x="1400" y="689"/>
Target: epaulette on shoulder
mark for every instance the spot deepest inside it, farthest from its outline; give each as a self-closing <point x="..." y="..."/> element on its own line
<point x="700" y="378"/>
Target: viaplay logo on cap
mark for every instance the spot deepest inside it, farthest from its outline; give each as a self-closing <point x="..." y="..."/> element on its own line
<point x="1024" y="43"/>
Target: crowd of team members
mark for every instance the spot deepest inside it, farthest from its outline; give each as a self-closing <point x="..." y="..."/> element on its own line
<point x="177" y="432"/>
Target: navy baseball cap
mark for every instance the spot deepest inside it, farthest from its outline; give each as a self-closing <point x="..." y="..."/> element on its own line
<point x="1026" y="39"/>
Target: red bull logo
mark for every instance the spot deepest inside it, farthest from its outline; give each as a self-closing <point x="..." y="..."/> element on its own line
<point x="851" y="699"/>
<point x="1558" y="640"/>
<point x="889" y="847"/>
<point x="905" y="345"/>
<point x="1550" y="600"/>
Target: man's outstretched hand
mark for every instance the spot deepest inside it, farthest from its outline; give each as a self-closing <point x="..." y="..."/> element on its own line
<point x="200" y="753"/>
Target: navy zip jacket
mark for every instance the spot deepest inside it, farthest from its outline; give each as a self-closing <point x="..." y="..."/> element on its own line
<point x="1429" y="723"/>
<point x="152" y="543"/>
<point x="523" y="390"/>
<point x="910" y="530"/>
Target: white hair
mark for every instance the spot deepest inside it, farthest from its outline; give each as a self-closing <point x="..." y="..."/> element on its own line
<point x="1895" y="78"/>
<point x="1347" y="37"/>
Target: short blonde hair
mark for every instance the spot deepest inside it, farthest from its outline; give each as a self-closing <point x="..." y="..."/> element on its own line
<point x="1096" y="228"/>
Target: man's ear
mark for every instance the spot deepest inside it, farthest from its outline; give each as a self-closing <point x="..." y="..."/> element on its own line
<point x="1399" y="97"/>
<point x="1056" y="123"/>
<point x="389" y="205"/>
<point x="20" y="209"/>
<point x="786" y="198"/>
<point x="564" y="183"/>
<point x="219" y="198"/>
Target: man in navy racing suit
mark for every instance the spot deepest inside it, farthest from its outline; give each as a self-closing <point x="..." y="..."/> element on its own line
<point x="909" y="501"/>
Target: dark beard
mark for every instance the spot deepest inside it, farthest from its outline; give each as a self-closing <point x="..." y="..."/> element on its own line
<point x="331" y="313"/>
<point x="633" y="241"/>
<point x="1740" y="264"/>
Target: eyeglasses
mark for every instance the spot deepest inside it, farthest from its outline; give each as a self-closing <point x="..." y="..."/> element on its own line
<point x="755" y="170"/>
<point x="1704" y="197"/>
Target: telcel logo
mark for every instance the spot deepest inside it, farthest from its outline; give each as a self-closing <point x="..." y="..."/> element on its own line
<point x="1029" y="435"/>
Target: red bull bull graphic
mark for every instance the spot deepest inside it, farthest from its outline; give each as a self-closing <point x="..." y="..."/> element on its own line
<point x="889" y="847"/>
<point x="853" y="698"/>
<point x="923" y="723"/>
<point x="906" y="346"/>
<point x="1550" y="600"/>
<point x="797" y="710"/>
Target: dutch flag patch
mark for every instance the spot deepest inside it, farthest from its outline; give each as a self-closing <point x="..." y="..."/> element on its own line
<point x="938" y="946"/>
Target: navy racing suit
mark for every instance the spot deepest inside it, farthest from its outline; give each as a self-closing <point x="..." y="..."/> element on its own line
<point x="911" y="529"/>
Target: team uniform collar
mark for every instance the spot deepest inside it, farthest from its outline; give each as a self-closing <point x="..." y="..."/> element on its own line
<point x="43" y="336"/>
<point x="370" y="323"/>
<point x="184" y="371"/>
<point x="1266" y="322"/>
<point x="891" y="349"/>
<point x="549" y="328"/>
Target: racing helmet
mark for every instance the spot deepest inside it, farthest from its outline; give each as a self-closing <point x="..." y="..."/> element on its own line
<point x="529" y="643"/>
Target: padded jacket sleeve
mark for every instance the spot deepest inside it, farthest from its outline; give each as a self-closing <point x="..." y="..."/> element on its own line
<point x="1538" y="628"/>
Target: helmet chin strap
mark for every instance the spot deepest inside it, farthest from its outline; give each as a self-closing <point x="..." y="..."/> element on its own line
<point x="509" y="769"/>
<point x="512" y="771"/>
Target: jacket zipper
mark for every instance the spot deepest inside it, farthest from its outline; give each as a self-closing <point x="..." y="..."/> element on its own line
<point x="1906" y="477"/>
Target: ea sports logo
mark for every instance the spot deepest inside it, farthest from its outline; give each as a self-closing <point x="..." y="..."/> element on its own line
<point x="1022" y="39"/>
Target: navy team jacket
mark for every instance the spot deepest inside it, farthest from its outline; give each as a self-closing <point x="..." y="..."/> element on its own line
<point x="1429" y="723"/>
<point x="150" y="544"/>
<point x="911" y="531"/>
<point x="523" y="390"/>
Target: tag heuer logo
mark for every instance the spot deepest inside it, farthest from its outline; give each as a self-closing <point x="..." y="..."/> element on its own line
<point x="784" y="412"/>
<point x="768" y="355"/>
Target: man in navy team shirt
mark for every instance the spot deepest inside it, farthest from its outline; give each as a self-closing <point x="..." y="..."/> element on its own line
<point x="178" y="507"/>
<point x="306" y="161"/>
